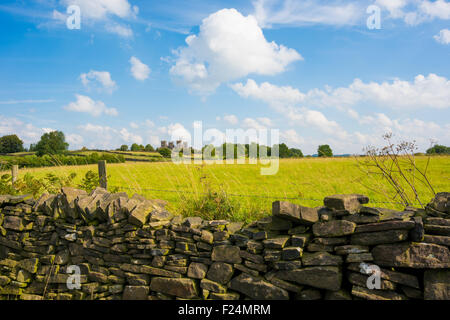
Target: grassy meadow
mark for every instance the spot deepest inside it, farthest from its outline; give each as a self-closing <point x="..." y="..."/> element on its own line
<point x="304" y="179"/>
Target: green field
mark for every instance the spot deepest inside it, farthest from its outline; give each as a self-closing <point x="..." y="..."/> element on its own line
<point x="303" y="179"/>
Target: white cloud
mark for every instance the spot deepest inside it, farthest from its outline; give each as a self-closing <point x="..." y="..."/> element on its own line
<point x="430" y="91"/>
<point x="95" y="13"/>
<point x="436" y="9"/>
<point x="154" y="140"/>
<point x="443" y="36"/>
<point x="149" y="123"/>
<point x="87" y="105"/>
<point x="231" y="119"/>
<point x="74" y="140"/>
<point x="177" y="131"/>
<point x="134" y="125"/>
<point x="89" y="127"/>
<point x="61" y="17"/>
<point x="272" y="94"/>
<point x="344" y="12"/>
<point x="414" y="12"/>
<point x="286" y="101"/>
<point x="139" y="70"/>
<point x="251" y="123"/>
<point x="26" y="101"/>
<point x="27" y="132"/>
<point x="105" y="137"/>
<point x="100" y="137"/>
<point x="307" y="12"/>
<point x="407" y="129"/>
<point x="265" y="121"/>
<point x="48" y="130"/>
<point x="121" y="30"/>
<point x="162" y="130"/>
<point x="102" y="77"/>
<point x="395" y="7"/>
<point x="101" y="9"/>
<point x="130" y="137"/>
<point x="292" y="138"/>
<point x="229" y="46"/>
<point x="257" y="123"/>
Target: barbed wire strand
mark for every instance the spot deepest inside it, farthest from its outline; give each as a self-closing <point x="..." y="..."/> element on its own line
<point x="244" y="195"/>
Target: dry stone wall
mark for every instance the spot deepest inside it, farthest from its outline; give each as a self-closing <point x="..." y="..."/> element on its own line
<point x="133" y="248"/>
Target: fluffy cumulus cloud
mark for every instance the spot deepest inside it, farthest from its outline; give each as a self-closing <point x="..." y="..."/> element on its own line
<point x="443" y="36"/>
<point x="287" y="101"/>
<point x="430" y="91"/>
<point x="229" y="46"/>
<point x="300" y="111"/>
<point x="292" y="138"/>
<point x="422" y="132"/>
<point x="177" y="131"/>
<point x="269" y="93"/>
<point x="139" y="70"/>
<point x="87" y="105"/>
<point x="101" y="79"/>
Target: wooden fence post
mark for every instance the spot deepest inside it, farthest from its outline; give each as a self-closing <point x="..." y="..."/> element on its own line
<point x="14" y="173"/>
<point x="102" y="174"/>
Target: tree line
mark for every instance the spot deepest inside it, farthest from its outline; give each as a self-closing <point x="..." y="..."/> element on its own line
<point x="53" y="143"/>
<point x="253" y="150"/>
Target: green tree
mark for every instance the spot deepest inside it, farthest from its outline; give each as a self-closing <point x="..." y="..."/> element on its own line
<point x="149" y="148"/>
<point x="324" y="151"/>
<point x="10" y="144"/>
<point x="283" y="150"/>
<point x="134" y="147"/>
<point x="295" y="153"/>
<point x="438" y="149"/>
<point x="165" y="152"/>
<point x="210" y="151"/>
<point x="52" y="143"/>
<point x="124" y="147"/>
<point x="252" y="150"/>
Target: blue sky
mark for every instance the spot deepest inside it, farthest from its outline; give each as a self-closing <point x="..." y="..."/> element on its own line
<point x="142" y="71"/>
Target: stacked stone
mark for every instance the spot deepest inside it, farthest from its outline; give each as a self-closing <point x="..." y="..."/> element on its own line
<point x="133" y="248"/>
<point x="392" y="241"/>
